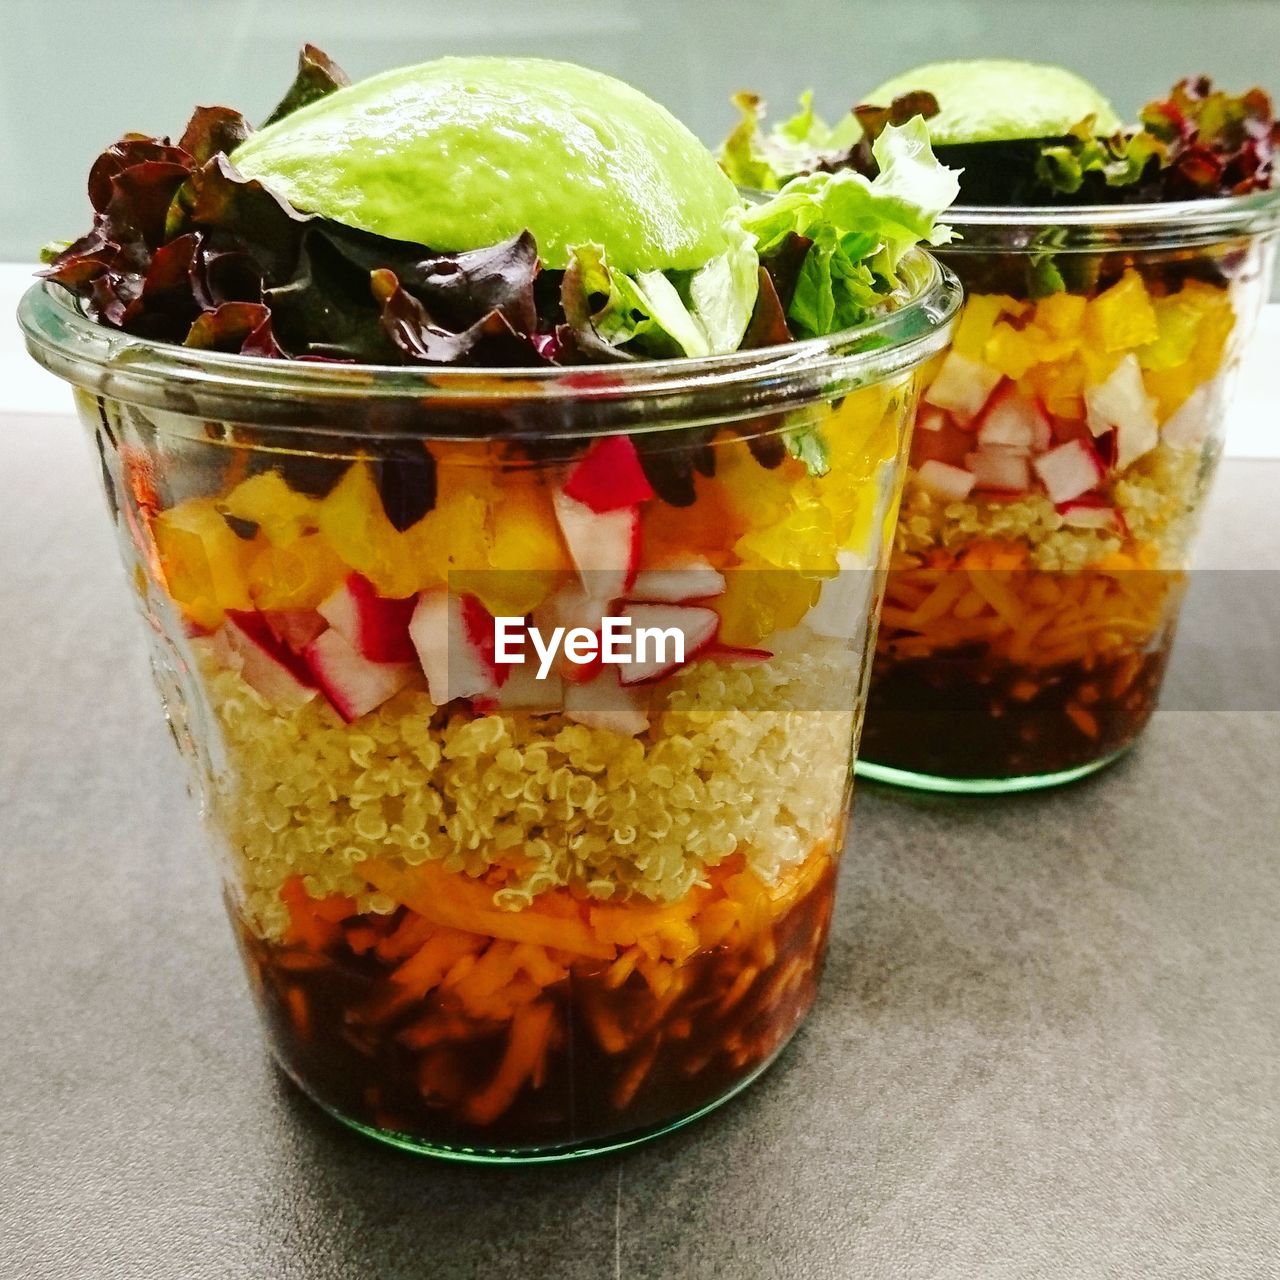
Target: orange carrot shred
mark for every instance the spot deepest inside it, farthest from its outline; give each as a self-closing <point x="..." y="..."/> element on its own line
<point x="531" y="1029"/>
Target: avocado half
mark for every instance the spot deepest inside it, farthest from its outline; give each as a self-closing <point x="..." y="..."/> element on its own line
<point x="1001" y="100"/>
<point x="460" y="153"/>
<point x="994" y="117"/>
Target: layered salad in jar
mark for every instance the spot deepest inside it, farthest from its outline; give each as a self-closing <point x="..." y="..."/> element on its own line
<point x="506" y="880"/>
<point x="1064" y="444"/>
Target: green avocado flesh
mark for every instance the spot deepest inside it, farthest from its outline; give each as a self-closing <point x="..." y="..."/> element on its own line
<point x="997" y="100"/>
<point x="460" y="153"/>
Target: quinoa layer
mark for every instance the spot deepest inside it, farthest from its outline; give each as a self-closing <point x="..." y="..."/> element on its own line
<point x="750" y="758"/>
<point x="1158" y="496"/>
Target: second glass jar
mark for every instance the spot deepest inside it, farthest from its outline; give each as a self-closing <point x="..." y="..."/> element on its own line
<point x="1062" y="452"/>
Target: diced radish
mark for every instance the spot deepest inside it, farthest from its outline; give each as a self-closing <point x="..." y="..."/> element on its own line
<point x="571" y="606"/>
<point x="948" y="444"/>
<point x="962" y="387"/>
<point x="267" y="666"/>
<point x="1092" y="513"/>
<point x="1065" y="429"/>
<point x="577" y="672"/>
<point x="697" y="627"/>
<point x="1070" y="470"/>
<point x="687" y="578"/>
<point x="454" y="639"/>
<point x="609" y="477"/>
<point x="842" y="608"/>
<point x="736" y="653"/>
<point x="1041" y="432"/>
<point x="951" y="484"/>
<point x="930" y="420"/>
<point x="1013" y="420"/>
<point x="353" y="683"/>
<point x="523" y="691"/>
<point x="1000" y="470"/>
<point x="377" y="627"/>
<point x="294" y="628"/>
<point x="603" y="703"/>
<point x="1122" y="404"/>
<point x="605" y="546"/>
<point x="1189" y="425"/>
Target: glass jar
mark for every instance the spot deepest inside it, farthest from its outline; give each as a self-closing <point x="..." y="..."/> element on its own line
<point x="496" y="909"/>
<point x="1063" y="449"/>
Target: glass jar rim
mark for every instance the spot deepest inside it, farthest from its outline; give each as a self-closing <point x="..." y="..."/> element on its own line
<point x="637" y="395"/>
<point x="1093" y="228"/>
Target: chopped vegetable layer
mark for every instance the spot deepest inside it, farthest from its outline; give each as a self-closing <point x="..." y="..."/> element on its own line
<point x="1061" y="454"/>
<point x="489" y="907"/>
<point x="745" y="760"/>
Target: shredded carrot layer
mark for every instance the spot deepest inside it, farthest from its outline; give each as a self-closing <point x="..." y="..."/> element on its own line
<point x="989" y="595"/>
<point x="475" y="971"/>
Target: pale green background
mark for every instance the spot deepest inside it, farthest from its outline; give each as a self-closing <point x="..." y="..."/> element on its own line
<point x="74" y="74"/>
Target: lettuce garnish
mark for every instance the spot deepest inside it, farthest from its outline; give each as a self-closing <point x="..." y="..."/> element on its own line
<point x="760" y="161"/>
<point x="655" y="313"/>
<point x="1197" y="142"/>
<point x="185" y="249"/>
<point x="854" y="230"/>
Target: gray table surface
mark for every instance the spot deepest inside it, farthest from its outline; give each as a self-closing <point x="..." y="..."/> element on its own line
<point x="1048" y="1043"/>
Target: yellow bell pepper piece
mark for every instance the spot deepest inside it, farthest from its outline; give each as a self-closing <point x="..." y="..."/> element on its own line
<point x="1122" y="317"/>
<point x="282" y="514"/>
<point x="297" y="576"/>
<point x="203" y="560"/>
<point x="1061" y="314"/>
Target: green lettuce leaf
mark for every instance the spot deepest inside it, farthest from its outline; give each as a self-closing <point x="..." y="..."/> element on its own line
<point x="1120" y="161"/>
<point x="655" y="313"/>
<point x="1198" y="142"/>
<point x="859" y="228"/>
<point x="760" y="161"/>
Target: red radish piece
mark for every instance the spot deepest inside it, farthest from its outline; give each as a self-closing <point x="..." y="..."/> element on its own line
<point x="688" y="578"/>
<point x="948" y="444"/>
<point x="930" y="420"/>
<point x="245" y="642"/>
<point x="1105" y="447"/>
<point x="523" y="691"/>
<point x="1013" y="421"/>
<point x="454" y="639"/>
<point x="1065" y="429"/>
<point x="1000" y="470"/>
<point x="951" y="484"/>
<point x="696" y="627"/>
<point x="377" y="627"/>
<point x="352" y="683"/>
<point x="604" y="546"/>
<point x="294" y="628"/>
<point x="1122" y="404"/>
<point x="1092" y="513"/>
<point x="1188" y="426"/>
<point x="736" y="653"/>
<point x="962" y="387"/>
<point x="1041" y="432"/>
<point x="1070" y="470"/>
<point x="603" y="703"/>
<point x="571" y="606"/>
<point x="841" y="611"/>
<point x="609" y="477"/>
